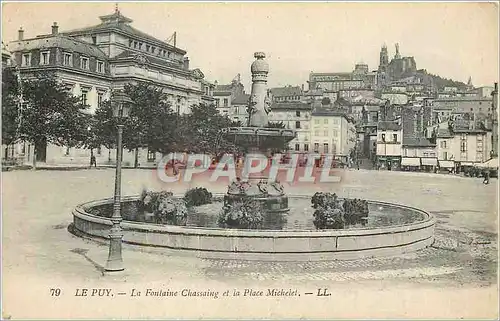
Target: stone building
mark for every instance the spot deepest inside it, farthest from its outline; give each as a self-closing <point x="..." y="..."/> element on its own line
<point x="95" y="60"/>
<point x="287" y="94"/>
<point x="294" y="115"/>
<point x="395" y="69"/>
<point x="332" y="133"/>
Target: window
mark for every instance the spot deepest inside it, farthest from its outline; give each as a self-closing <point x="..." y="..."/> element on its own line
<point x="217" y="103"/>
<point x="153" y="49"/>
<point x="297" y="147"/>
<point x="151" y="156"/>
<point x="207" y="90"/>
<point x="140" y="45"/>
<point x="84" y="63"/>
<point x="236" y="111"/>
<point x="335" y="133"/>
<point x="463" y="146"/>
<point x="147" y="48"/>
<point x="383" y="138"/>
<point x="445" y="155"/>
<point x="306" y="147"/>
<point x="325" y="133"/>
<point x="94" y="40"/>
<point x="479" y="138"/>
<point x="316" y="147"/>
<point x="325" y="148"/>
<point x="297" y="113"/>
<point x="316" y="133"/>
<point x="443" y="144"/>
<point x="99" y="151"/>
<point x="316" y="121"/>
<point x="395" y="137"/>
<point x="100" y="66"/>
<point x="168" y="54"/>
<point x="226" y="102"/>
<point x="135" y="44"/>
<point x="26" y="60"/>
<point x="67" y="59"/>
<point x="100" y="99"/>
<point x="84" y="97"/>
<point x="44" y="58"/>
<point x="130" y="42"/>
<point x="325" y="121"/>
<point x="297" y="125"/>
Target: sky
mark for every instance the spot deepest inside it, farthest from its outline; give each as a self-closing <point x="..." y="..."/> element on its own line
<point x="453" y="40"/>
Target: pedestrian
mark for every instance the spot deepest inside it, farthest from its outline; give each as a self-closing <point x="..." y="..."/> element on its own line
<point x="486" y="175"/>
<point x="93" y="161"/>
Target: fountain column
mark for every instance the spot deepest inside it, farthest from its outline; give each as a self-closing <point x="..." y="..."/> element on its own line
<point x="259" y="101"/>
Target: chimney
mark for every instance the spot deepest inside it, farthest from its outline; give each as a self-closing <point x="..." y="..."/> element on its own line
<point x="20" y="34"/>
<point x="55" y="29"/>
<point x="186" y="63"/>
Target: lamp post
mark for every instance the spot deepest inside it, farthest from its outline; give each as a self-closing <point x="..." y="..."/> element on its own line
<point x="121" y="105"/>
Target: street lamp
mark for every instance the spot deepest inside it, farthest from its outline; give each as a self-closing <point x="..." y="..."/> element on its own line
<point x="120" y="103"/>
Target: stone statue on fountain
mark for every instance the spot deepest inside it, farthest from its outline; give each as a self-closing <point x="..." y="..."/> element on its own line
<point x="257" y="137"/>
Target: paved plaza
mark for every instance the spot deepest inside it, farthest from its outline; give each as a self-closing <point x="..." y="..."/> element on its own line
<point x="454" y="278"/>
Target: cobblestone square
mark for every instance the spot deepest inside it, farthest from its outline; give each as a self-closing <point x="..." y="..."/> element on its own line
<point x="39" y="250"/>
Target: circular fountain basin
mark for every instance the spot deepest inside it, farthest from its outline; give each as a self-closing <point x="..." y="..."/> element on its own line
<point x="391" y="229"/>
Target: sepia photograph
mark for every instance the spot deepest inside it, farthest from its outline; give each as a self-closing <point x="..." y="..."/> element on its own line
<point x="249" y="160"/>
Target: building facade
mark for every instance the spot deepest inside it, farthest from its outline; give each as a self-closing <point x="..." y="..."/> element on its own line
<point x="297" y="116"/>
<point x="95" y="60"/>
<point x="389" y="143"/>
<point x="332" y="133"/>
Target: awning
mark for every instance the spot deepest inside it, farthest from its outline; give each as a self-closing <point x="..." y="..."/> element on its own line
<point x="466" y="164"/>
<point x="446" y="164"/>
<point x="492" y="163"/>
<point x="429" y="161"/>
<point x="406" y="161"/>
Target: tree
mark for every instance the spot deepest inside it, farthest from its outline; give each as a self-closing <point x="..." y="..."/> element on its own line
<point x="200" y="131"/>
<point x="51" y="114"/>
<point x="10" y="108"/>
<point x="151" y="121"/>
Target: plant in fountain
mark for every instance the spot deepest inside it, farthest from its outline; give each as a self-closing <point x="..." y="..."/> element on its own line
<point x="244" y="214"/>
<point x="329" y="212"/>
<point x="165" y="208"/>
<point x="356" y="211"/>
<point x="197" y="196"/>
<point x="333" y="213"/>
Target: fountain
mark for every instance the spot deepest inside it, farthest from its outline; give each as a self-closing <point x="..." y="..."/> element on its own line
<point x="256" y="137"/>
<point x="389" y="229"/>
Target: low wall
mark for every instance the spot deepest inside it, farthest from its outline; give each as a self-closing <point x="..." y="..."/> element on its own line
<point x="265" y="244"/>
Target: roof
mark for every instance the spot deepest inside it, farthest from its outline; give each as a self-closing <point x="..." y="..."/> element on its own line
<point x="465" y="98"/>
<point x="120" y="23"/>
<point x="314" y="92"/>
<point x="127" y="54"/>
<point x="291" y="105"/>
<point x="388" y="125"/>
<point x="241" y="99"/>
<point x="286" y="91"/>
<point x="59" y="41"/>
<point x="224" y="87"/>
<point x="417" y="142"/>
<point x="327" y="112"/>
<point x="444" y="133"/>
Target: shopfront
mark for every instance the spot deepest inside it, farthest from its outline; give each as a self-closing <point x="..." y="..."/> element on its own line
<point x="447" y="166"/>
<point x="429" y="164"/>
<point x="410" y="164"/>
<point x="390" y="163"/>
